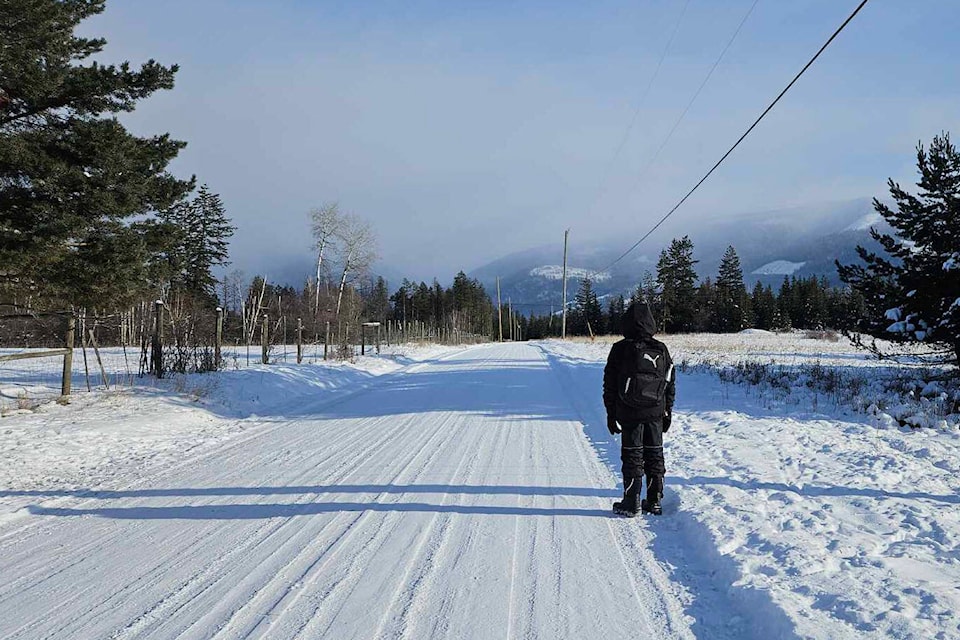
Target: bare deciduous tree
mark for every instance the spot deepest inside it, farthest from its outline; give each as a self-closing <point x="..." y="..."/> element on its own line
<point x="356" y="249"/>
<point x="326" y="224"/>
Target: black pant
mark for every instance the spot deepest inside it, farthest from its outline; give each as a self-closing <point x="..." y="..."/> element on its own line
<point x="641" y="449"/>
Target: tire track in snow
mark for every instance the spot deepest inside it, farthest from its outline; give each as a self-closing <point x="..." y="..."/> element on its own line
<point x="524" y="445"/>
<point x="349" y="580"/>
<point x="220" y="570"/>
<point x="438" y="537"/>
<point x="309" y="553"/>
<point x="199" y="582"/>
<point x="28" y="552"/>
<point x="290" y="599"/>
<point x="399" y="434"/>
<point x="658" y="584"/>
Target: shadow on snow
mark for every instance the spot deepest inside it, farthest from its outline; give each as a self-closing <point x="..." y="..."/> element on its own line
<point x="263" y="511"/>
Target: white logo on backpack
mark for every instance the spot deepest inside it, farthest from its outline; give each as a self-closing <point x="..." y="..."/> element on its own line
<point x="647" y="356"/>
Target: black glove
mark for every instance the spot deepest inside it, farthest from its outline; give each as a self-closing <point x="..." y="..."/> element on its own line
<point x="667" y="419"/>
<point x="612" y="426"/>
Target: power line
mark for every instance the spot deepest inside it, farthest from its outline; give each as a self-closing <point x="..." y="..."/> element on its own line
<point x="696" y="94"/>
<point x="740" y="139"/>
<point x="605" y="176"/>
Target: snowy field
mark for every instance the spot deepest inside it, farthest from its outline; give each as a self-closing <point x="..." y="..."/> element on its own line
<point x="465" y="493"/>
<point x="28" y="382"/>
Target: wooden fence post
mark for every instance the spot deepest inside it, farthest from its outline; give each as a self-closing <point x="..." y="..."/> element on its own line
<point x="217" y="355"/>
<point x="265" y="340"/>
<point x="326" y="341"/>
<point x="156" y="358"/>
<point x="96" y="352"/>
<point x="65" y="383"/>
<point x="299" y="340"/>
<point x="83" y="349"/>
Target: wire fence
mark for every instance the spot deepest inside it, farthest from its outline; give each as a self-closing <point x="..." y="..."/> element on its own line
<point x="121" y="350"/>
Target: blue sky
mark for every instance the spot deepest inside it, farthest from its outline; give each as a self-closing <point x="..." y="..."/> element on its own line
<point x="467" y="130"/>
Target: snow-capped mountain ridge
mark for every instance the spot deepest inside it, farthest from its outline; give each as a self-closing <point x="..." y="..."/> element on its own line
<point x="800" y="241"/>
<point x="555" y="272"/>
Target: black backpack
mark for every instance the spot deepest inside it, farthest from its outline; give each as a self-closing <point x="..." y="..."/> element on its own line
<point x="644" y="375"/>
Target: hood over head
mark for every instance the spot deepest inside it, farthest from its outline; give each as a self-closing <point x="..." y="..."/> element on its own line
<point x="637" y="321"/>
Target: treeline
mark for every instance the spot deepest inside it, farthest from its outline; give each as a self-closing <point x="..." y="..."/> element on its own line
<point x="681" y="303"/>
<point x="461" y="312"/>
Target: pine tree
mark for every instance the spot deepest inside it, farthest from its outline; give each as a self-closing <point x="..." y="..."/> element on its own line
<point x="378" y="305"/>
<point x="706" y="317"/>
<point x="678" y="281"/>
<point x="589" y="313"/>
<point x="731" y="309"/>
<point x="913" y="294"/>
<point x="615" y="311"/>
<point x="71" y="175"/>
<point x="763" y="314"/>
<point x="784" y="302"/>
<point x="204" y="232"/>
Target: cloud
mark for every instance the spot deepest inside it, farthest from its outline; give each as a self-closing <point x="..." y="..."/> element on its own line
<point x="467" y="131"/>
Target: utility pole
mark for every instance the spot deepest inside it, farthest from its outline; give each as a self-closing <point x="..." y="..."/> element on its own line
<point x="499" y="309"/>
<point x="563" y="326"/>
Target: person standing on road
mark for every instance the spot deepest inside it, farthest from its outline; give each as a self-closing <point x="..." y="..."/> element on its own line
<point x="639" y="387"/>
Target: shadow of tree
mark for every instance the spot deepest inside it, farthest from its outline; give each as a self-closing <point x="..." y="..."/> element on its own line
<point x="264" y="511"/>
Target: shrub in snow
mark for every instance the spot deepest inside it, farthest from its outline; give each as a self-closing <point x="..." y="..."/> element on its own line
<point x="895" y="397"/>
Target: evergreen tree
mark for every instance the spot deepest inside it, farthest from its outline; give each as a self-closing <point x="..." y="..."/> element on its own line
<point x="588" y="310"/>
<point x="71" y="176"/>
<point x="204" y="232"/>
<point x="402" y="306"/>
<point x="731" y="311"/>
<point x="678" y="281"/>
<point x="784" y="302"/>
<point x="706" y="315"/>
<point x="615" y="311"/>
<point x="423" y="305"/>
<point x="913" y="293"/>
<point x="762" y="313"/>
<point x="436" y="294"/>
<point x="378" y="306"/>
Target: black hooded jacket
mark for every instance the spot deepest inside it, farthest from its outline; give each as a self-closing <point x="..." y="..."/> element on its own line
<point x="637" y="325"/>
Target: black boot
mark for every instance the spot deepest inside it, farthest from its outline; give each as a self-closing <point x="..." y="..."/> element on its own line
<point x="654" y="494"/>
<point x="629" y="506"/>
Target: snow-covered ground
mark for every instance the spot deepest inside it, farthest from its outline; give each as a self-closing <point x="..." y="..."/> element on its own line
<point x="465" y="493"/>
<point x="141" y="424"/>
<point x="831" y="523"/>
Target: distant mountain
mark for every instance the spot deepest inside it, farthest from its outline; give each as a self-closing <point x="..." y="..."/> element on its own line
<point x="800" y="241"/>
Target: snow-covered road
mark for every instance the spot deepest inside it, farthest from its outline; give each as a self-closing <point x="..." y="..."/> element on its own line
<point x="459" y="498"/>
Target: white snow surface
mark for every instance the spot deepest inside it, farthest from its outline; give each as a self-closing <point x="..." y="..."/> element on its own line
<point x="555" y="272"/>
<point x="868" y="220"/>
<point x="465" y="493"/>
<point x="779" y="268"/>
